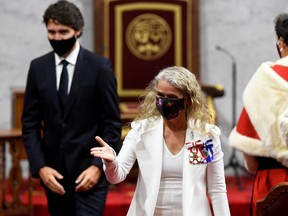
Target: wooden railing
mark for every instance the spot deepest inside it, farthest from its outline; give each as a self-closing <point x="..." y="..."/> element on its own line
<point x="12" y="138"/>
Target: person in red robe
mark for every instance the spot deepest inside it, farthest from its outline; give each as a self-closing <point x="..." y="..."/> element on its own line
<point x="261" y="133"/>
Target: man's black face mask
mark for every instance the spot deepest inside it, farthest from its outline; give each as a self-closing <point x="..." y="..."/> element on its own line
<point x="62" y="47"/>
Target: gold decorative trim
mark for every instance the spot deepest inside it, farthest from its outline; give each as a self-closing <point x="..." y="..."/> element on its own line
<point x="212" y="107"/>
<point x="119" y="9"/>
<point x="128" y="112"/>
<point x="148" y="36"/>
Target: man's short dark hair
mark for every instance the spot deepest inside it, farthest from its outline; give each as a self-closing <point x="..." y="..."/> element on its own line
<point x="65" y="13"/>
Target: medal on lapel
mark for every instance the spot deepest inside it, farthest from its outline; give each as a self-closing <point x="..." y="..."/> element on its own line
<point x="200" y="152"/>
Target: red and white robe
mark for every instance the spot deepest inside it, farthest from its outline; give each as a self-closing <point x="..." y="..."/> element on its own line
<point x="262" y="129"/>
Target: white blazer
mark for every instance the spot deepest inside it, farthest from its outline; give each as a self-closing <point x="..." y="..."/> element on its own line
<point x="145" y="144"/>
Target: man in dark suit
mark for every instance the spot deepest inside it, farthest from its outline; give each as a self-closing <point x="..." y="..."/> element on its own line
<point x="62" y="116"/>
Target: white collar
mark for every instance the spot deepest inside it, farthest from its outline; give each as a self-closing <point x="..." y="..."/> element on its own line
<point x="283" y="61"/>
<point x="71" y="58"/>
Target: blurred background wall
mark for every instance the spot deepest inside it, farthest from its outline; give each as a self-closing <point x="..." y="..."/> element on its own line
<point x="244" y="28"/>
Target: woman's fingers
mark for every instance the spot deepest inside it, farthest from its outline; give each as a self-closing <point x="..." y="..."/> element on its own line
<point x="101" y="141"/>
<point x="105" y="151"/>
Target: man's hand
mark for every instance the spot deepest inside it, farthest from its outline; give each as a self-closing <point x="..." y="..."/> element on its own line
<point x="88" y="178"/>
<point x="49" y="177"/>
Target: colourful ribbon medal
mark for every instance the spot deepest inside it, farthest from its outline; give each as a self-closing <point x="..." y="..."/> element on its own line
<point x="200" y="152"/>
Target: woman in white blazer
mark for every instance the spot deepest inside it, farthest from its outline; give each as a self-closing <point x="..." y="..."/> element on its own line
<point x="177" y="148"/>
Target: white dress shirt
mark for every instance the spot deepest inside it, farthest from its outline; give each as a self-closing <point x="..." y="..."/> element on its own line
<point x="71" y="59"/>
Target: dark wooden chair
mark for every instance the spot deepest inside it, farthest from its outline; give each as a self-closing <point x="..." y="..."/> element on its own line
<point x="275" y="203"/>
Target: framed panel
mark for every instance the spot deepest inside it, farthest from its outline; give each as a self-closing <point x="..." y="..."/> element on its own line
<point x="141" y="37"/>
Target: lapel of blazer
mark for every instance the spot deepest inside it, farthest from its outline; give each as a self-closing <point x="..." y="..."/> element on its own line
<point x="51" y="71"/>
<point x="75" y="81"/>
<point x="151" y="162"/>
<point x="191" y="174"/>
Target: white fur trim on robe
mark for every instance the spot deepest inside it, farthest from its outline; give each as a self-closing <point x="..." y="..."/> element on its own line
<point x="266" y="102"/>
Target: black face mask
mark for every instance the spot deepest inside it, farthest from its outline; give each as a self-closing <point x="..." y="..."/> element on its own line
<point x="169" y="108"/>
<point x="62" y="47"/>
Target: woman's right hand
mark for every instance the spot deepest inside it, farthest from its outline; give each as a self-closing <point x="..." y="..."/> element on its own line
<point x="104" y="152"/>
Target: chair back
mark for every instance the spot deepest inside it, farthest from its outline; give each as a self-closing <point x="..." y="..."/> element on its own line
<point x="276" y="201"/>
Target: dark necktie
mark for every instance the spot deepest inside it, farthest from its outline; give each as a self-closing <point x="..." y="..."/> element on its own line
<point x="63" y="86"/>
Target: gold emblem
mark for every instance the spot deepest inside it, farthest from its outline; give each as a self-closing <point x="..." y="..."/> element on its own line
<point x="148" y="36"/>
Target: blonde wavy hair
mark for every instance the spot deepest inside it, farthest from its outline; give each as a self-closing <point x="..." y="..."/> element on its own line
<point x="186" y="82"/>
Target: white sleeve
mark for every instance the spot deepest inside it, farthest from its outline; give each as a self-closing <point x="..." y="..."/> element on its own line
<point x="216" y="183"/>
<point x="117" y="170"/>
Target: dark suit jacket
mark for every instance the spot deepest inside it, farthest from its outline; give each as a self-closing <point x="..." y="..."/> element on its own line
<point x="92" y="109"/>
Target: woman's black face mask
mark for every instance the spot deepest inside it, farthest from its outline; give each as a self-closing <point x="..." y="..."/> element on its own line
<point x="169" y="108"/>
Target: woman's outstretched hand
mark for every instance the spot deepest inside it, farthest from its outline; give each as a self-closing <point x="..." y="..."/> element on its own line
<point x="105" y="151"/>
